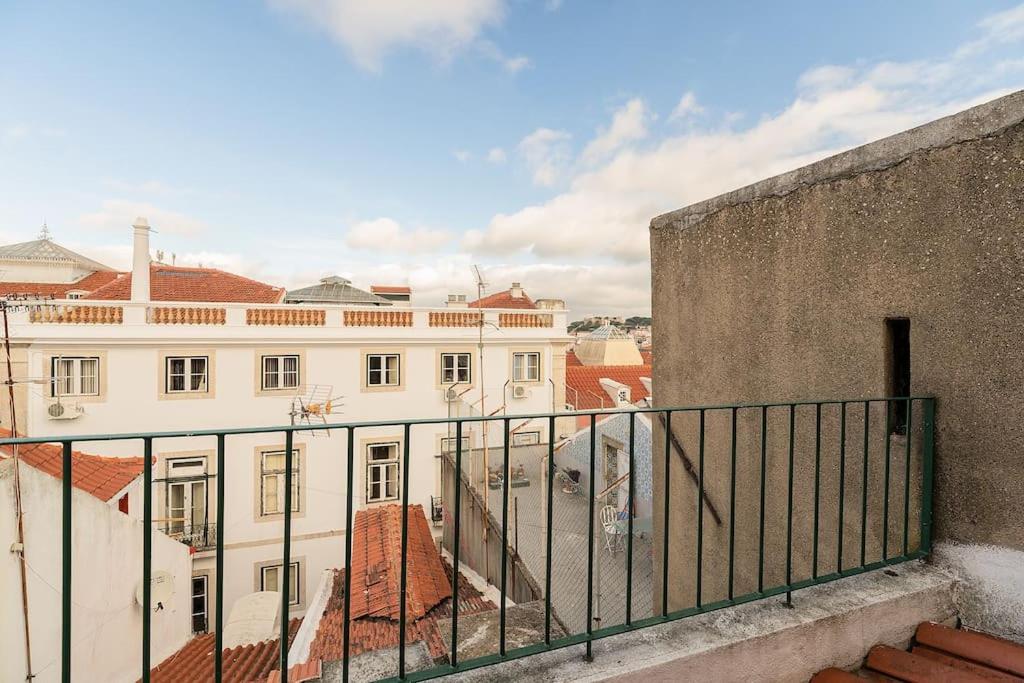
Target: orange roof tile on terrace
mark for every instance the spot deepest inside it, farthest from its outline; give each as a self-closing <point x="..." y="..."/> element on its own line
<point x="177" y="283"/>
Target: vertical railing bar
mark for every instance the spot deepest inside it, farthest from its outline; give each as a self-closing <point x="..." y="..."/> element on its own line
<point x="864" y="486"/>
<point x="405" y="550"/>
<point x="664" y="533"/>
<point x="885" y="503"/>
<point x="65" y="643"/>
<point x="550" y="519"/>
<point x="732" y="505"/>
<point x="906" y="481"/>
<point x="504" y="539"/>
<point x="817" y="488"/>
<point x="629" y="523"/>
<point x="590" y="540"/>
<point x="286" y="553"/>
<point x="456" y="544"/>
<point x="842" y="485"/>
<point x="927" y="474"/>
<point x="147" y="555"/>
<point x="347" y="605"/>
<point x="764" y="469"/>
<point x="700" y="507"/>
<point x="218" y="655"/>
<point x="789" y="506"/>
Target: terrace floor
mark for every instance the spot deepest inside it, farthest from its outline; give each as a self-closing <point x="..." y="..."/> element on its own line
<point x="569" y="549"/>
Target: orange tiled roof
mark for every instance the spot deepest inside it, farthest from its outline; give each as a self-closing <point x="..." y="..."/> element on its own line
<point x="648" y="357"/>
<point x="389" y="289"/>
<point x="504" y="300"/>
<point x="368" y="634"/>
<point x="242" y="664"/>
<point x="177" y="283"/>
<point x="583" y="383"/>
<point x="59" y="290"/>
<point x="572" y="360"/>
<point x="101" y="476"/>
<point x="376" y="564"/>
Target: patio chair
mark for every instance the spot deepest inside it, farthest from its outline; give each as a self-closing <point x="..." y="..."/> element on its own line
<point x="612" y="529"/>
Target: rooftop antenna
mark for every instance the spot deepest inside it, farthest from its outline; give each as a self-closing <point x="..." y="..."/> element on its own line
<point x="481" y="285"/>
<point x="311" y="404"/>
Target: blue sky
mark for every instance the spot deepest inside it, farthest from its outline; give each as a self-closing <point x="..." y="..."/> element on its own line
<point x="399" y="142"/>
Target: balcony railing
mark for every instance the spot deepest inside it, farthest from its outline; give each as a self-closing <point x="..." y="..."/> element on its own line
<point x="196" y="536"/>
<point x="755" y="461"/>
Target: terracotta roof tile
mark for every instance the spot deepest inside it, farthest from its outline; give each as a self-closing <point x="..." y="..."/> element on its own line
<point x="504" y="300"/>
<point x="376" y="557"/>
<point x="99" y="475"/>
<point x="243" y="664"/>
<point x="176" y="283"/>
<point x="583" y="383"/>
<point x="59" y="290"/>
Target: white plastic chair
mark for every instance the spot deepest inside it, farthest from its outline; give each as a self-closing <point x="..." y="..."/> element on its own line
<point x="612" y="529"/>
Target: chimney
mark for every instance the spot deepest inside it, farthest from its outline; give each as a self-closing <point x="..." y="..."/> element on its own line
<point x="140" y="260"/>
<point x="516" y="291"/>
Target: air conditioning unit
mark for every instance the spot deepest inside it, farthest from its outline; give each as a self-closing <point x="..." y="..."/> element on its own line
<point x="451" y="395"/>
<point x="63" y="411"/>
<point x="520" y="391"/>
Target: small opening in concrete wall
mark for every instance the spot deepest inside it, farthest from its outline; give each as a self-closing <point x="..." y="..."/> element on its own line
<point x="897" y="370"/>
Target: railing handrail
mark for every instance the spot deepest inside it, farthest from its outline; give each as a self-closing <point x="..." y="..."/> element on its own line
<point x="23" y="440"/>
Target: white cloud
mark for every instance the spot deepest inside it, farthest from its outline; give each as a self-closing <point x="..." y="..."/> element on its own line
<point x="687" y="106"/>
<point x="997" y="29"/>
<point x="606" y="208"/>
<point x="546" y="152"/>
<point x="119" y="214"/>
<point x="388" y="234"/>
<point x="369" y="30"/>
<point x="516" y="64"/>
<point x="462" y="155"/>
<point x="629" y="124"/>
<point x="496" y="155"/>
<point x="513" y="65"/>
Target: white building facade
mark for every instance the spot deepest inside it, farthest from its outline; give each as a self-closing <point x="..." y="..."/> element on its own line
<point x="116" y="367"/>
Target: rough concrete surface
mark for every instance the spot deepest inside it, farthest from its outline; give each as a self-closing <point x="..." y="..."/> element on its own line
<point x="479" y="633"/>
<point x="830" y="625"/>
<point x="378" y="664"/>
<point x="780" y="291"/>
<point x="990" y="587"/>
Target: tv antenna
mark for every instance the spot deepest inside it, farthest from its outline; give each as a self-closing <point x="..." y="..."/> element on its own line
<point x="312" y="403"/>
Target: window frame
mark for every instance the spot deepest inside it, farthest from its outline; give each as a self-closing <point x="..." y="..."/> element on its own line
<point x="206" y="603"/>
<point x="455" y="369"/>
<point x="383" y="370"/>
<point x="391" y="464"/>
<point x="451" y="449"/>
<point x="76" y="378"/>
<point x="263" y="474"/>
<point x="526" y="379"/>
<point x="294" y="597"/>
<point x="281" y="372"/>
<point x="188" y="374"/>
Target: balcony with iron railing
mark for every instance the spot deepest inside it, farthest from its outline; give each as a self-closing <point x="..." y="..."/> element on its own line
<point x="749" y="501"/>
<point x="199" y="537"/>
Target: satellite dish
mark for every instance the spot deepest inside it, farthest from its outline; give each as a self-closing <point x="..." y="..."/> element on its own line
<point x="161" y="589"/>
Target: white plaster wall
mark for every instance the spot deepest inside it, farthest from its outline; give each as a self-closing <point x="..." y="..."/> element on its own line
<point x="107" y="566"/>
<point x="15" y="271"/>
<point x="990" y="588"/>
<point x="132" y="403"/>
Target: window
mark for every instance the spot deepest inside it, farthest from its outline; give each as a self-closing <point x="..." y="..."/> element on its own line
<point x="897" y="332"/>
<point x="526" y="438"/>
<point x="199" y="604"/>
<point x="381" y="472"/>
<point x="448" y="444"/>
<point x="187" y="374"/>
<point x="526" y="367"/>
<point x="270" y="580"/>
<point x="187" y="501"/>
<point x="272" y="482"/>
<point x="455" y="367"/>
<point x="382" y="370"/>
<point x="74" y="376"/>
<point x="280" y="372"/>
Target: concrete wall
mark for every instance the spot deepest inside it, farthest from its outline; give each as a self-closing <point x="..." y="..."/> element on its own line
<point x="780" y="291"/>
<point x="106" y="568"/>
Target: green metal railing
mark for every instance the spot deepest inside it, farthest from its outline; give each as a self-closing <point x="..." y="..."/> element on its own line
<point x="672" y="454"/>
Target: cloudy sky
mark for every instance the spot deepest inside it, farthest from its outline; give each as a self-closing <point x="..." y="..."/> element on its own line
<point x="402" y="141"/>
